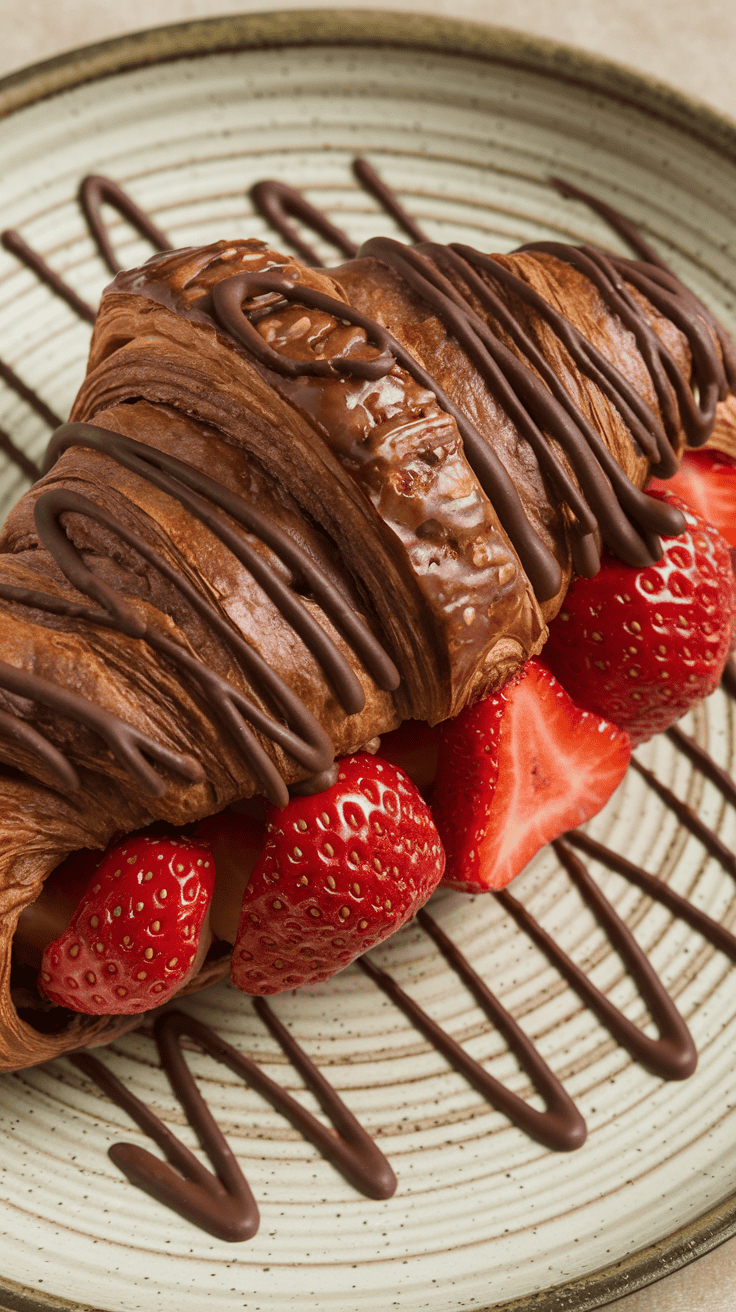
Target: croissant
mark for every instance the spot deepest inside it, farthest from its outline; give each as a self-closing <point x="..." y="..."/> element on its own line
<point x="293" y="508"/>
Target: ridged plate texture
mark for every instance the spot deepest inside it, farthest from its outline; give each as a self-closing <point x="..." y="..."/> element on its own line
<point x="482" y="1215"/>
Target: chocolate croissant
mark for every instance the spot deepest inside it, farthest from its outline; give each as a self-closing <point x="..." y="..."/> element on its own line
<point x="294" y="508"/>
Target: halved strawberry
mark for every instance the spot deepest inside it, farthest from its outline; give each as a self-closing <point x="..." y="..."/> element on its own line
<point x="340" y="871"/>
<point x="706" y="480"/>
<point x="517" y="770"/>
<point x="136" y="935"/>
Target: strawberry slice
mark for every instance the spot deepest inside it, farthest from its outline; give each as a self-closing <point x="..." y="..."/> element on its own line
<point x="642" y="646"/>
<point x="340" y="871"/>
<point x="706" y="480"/>
<point x="137" y="934"/>
<point x="517" y="770"/>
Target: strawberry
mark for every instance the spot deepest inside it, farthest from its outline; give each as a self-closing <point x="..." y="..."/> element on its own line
<point x="134" y="938"/>
<point x="517" y="770"/>
<point x="641" y="646"/>
<point x="340" y="871"/>
<point x="706" y="480"/>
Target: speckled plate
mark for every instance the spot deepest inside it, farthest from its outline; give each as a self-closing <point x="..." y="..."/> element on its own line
<point x="467" y="124"/>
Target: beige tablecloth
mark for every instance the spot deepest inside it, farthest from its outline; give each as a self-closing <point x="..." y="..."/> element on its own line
<point x="685" y="44"/>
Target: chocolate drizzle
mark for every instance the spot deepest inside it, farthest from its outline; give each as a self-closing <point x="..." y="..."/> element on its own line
<point x="300" y="733"/>
<point x="278" y="202"/>
<point x="532" y="396"/>
<point x="537" y="410"/>
<point x="673" y="1055"/>
<point x="222" y="1204"/>
<point x="540" y="565"/>
<point x="93" y="192"/>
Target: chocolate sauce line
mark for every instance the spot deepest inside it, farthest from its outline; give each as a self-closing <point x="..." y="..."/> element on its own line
<point x="301" y="735"/>
<point x="93" y="191"/>
<point x="129" y="745"/>
<point x="277" y="202"/>
<point x="371" y="182"/>
<point x="97" y="190"/>
<point x="672" y="1056"/>
<point x="18" y="246"/>
<point x="687" y="817"/>
<point x="631" y="235"/>
<point x="560" y="1127"/>
<point x="644" y="425"/>
<point x="18" y="456"/>
<point x="704" y="762"/>
<point x="704" y="924"/>
<point x="194" y="489"/>
<point x="676" y="398"/>
<point x="223" y="1204"/>
<point x="728" y="678"/>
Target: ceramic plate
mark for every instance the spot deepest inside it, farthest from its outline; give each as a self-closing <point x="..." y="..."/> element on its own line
<point x="467" y="124"/>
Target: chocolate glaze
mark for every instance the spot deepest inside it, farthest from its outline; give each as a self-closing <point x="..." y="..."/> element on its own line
<point x="560" y="1126"/>
<point x="542" y="569"/>
<point x="93" y="192"/>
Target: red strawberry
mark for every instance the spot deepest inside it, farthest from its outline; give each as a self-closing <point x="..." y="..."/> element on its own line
<point x="134" y="938"/>
<point x="641" y="646"/>
<point x="517" y="770"/>
<point x="340" y="871"/>
<point x="706" y="480"/>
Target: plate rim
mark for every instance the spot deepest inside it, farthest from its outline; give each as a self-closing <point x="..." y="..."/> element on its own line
<point x="452" y="37"/>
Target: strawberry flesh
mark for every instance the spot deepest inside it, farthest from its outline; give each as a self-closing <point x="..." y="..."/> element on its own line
<point x="517" y="770"/>
<point x="340" y="871"/>
<point x="134" y="938"/>
<point x="642" y="646"/>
